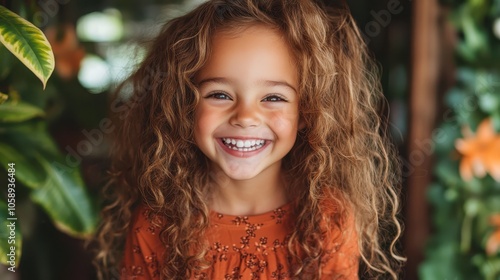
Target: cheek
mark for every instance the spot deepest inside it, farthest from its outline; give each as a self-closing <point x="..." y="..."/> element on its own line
<point x="205" y="122"/>
<point x="200" y="121"/>
<point x="285" y="123"/>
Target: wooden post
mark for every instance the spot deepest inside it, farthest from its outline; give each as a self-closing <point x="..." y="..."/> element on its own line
<point x="423" y="103"/>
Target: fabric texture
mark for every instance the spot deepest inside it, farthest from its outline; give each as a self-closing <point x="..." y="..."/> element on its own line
<point x="241" y="247"/>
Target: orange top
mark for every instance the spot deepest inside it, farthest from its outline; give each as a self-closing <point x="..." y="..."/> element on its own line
<point x="242" y="247"/>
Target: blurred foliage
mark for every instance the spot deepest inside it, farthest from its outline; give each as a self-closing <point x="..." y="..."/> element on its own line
<point x="37" y="170"/>
<point x="466" y="193"/>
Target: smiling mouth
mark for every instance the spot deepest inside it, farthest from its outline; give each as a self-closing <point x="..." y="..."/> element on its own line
<point x="246" y="145"/>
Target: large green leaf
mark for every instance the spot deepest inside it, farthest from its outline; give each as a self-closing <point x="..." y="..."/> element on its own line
<point x="18" y="112"/>
<point x="28" y="171"/>
<point x="10" y="236"/>
<point x="27" y="43"/>
<point x="62" y="194"/>
<point x="65" y="199"/>
<point x="29" y="137"/>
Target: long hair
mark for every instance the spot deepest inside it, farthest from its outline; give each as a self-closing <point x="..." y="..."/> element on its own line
<point x="342" y="155"/>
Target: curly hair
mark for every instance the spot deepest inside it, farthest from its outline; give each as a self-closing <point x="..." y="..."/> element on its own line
<point x="342" y="155"/>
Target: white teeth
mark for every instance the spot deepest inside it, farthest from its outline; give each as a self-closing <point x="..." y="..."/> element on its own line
<point x="240" y="144"/>
<point x="243" y="145"/>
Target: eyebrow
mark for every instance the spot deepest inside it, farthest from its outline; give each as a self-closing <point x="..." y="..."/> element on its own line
<point x="227" y="81"/>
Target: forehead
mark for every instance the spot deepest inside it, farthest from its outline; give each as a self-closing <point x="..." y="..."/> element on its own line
<point x="252" y="52"/>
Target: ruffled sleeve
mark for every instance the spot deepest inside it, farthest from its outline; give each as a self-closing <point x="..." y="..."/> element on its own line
<point x="143" y="248"/>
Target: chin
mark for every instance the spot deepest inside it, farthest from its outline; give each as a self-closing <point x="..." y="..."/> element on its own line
<point x="240" y="176"/>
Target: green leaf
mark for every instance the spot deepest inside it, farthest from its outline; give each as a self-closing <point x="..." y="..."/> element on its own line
<point x="495" y="9"/>
<point x="62" y="194"/>
<point x="9" y="238"/>
<point x="489" y="102"/>
<point x="444" y="136"/>
<point x="441" y="262"/>
<point x="473" y="206"/>
<point x="65" y="199"/>
<point x="27" y="43"/>
<point x="3" y="97"/>
<point x="28" y="171"/>
<point x="475" y="42"/>
<point x="447" y="171"/>
<point x="496" y="120"/>
<point x="29" y="138"/>
<point x="19" y="112"/>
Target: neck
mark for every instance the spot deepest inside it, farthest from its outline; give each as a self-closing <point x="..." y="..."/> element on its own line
<point x="258" y="195"/>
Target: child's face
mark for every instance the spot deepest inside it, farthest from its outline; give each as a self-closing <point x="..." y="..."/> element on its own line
<point x="247" y="118"/>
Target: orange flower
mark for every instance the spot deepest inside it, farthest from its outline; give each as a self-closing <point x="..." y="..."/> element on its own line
<point x="67" y="50"/>
<point x="481" y="152"/>
<point x="493" y="243"/>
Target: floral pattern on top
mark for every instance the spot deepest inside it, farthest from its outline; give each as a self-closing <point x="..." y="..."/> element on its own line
<point x="241" y="247"/>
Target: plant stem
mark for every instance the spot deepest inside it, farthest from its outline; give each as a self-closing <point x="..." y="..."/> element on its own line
<point x="466" y="233"/>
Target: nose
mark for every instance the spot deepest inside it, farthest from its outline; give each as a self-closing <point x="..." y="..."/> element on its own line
<point x="245" y="115"/>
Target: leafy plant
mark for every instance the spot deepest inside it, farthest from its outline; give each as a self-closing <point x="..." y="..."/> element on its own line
<point x="466" y="194"/>
<point x="27" y="43"/>
<point x="27" y="151"/>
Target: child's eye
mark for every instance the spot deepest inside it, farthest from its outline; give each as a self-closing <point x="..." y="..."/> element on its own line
<point x="274" y="98"/>
<point x="218" y="95"/>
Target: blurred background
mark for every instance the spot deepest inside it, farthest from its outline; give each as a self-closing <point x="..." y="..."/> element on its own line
<point x="440" y="64"/>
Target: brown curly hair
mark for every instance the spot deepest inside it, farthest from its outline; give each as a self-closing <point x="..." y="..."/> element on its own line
<point x="341" y="155"/>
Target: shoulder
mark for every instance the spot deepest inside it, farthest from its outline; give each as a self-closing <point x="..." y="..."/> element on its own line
<point x="341" y="246"/>
<point x="145" y="220"/>
<point x="146" y="227"/>
<point x="143" y="246"/>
